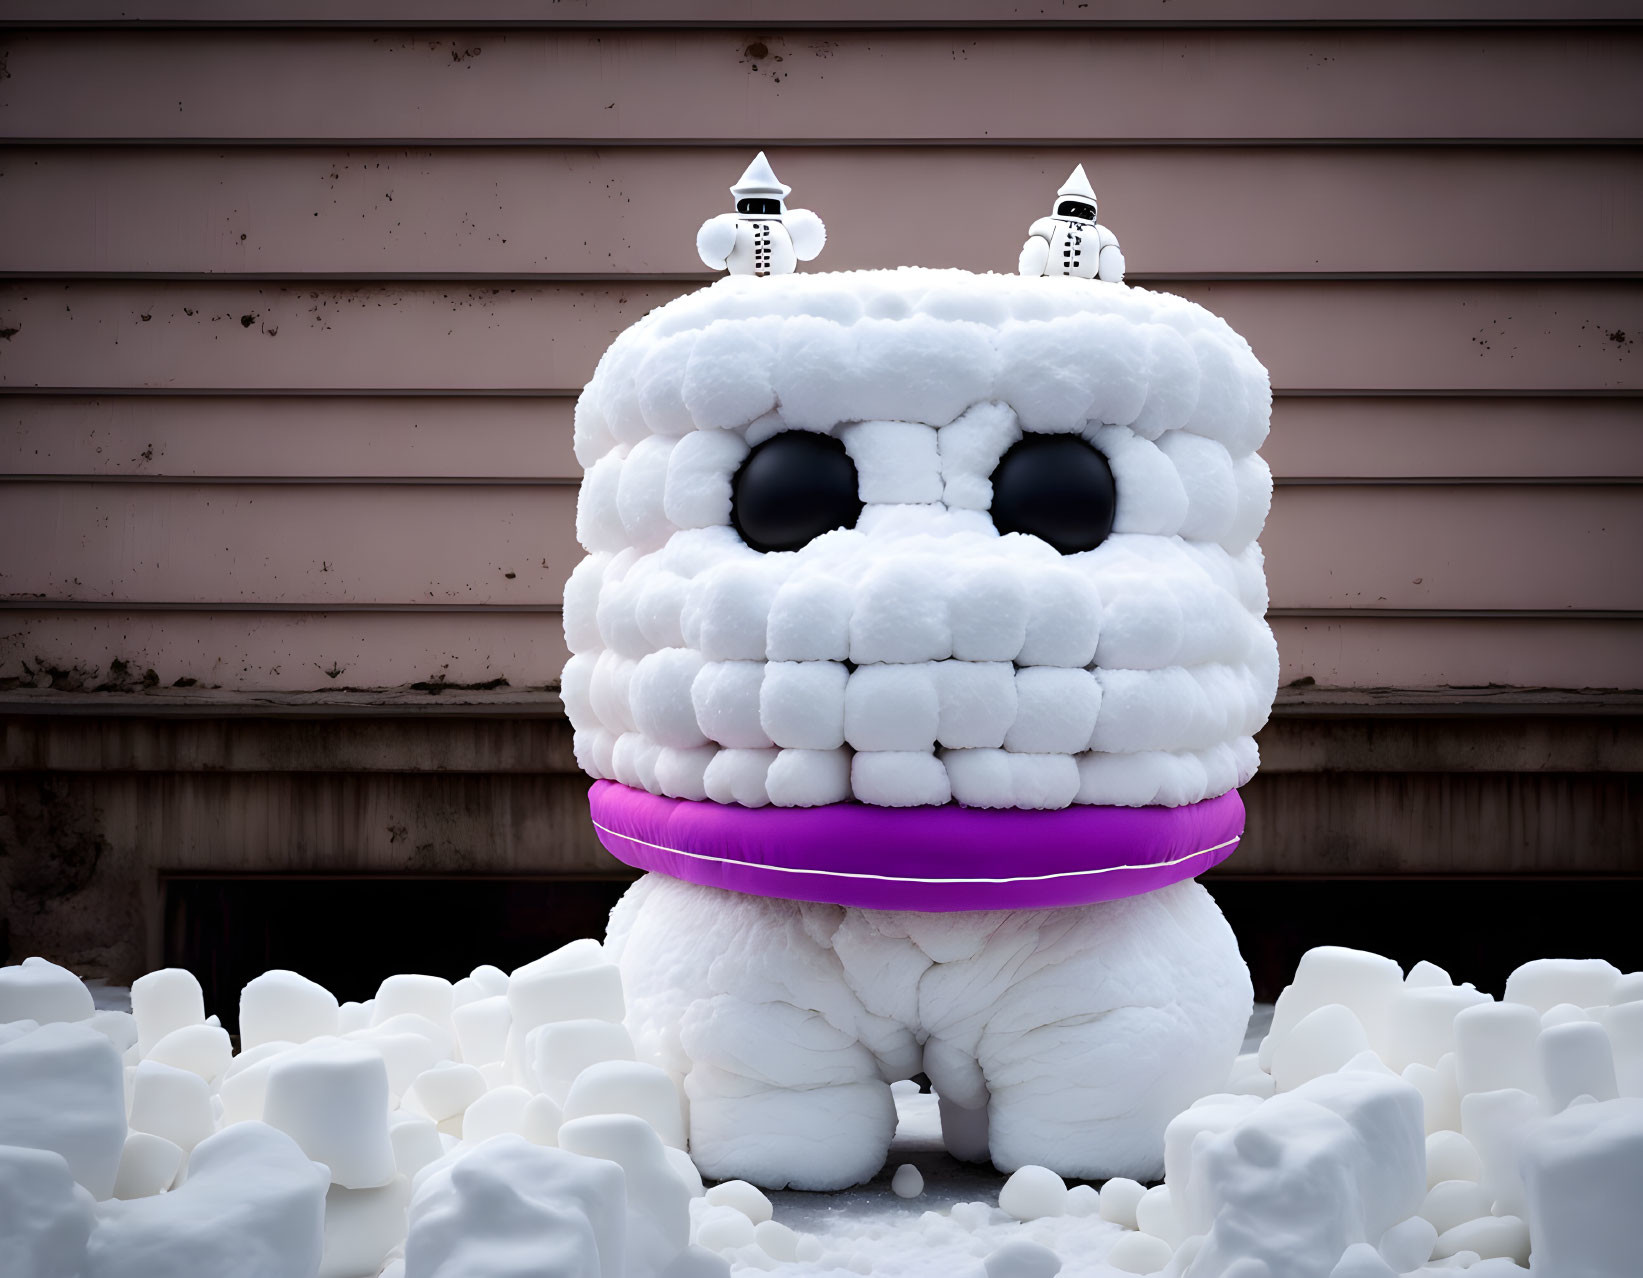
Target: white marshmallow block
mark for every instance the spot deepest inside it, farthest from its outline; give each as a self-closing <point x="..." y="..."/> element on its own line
<point x="42" y="992"/>
<point x="661" y="696"/>
<point x="739" y="776"/>
<point x="1320" y="1043"/>
<point x="1497" y="1124"/>
<point x="639" y="492"/>
<point x="1063" y="617"/>
<point x="415" y="1141"/>
<point x="681" y="774"/>
<point x="148" y="1164"/>
<point x="1581" y="1172"/>
<point x="810" y="618"/>
<point x="561" y="1050"/>
<point x="748" y="1200"/>
<point x="598" y="519"/>
<point x="332" y="1099"/>
<point x="801" y="704"/>
<point x="1119" y="1198"/>
<point x="482" y="1028"/>
<point x="248" y="1203"/>
<point x="1001" y="779"/>
<point x="281" y="1006"/>
<point x="444" y="1091"/>
<point x="1453" y="1202"/>
<point x="1056" y="711"/>
<point x="1363" y="982"/>
<point x="1575" y="1060"/>
<point x="1495" y="1047"/>
<point x="891" y="707"/>
<point x="1544" y="983"/>
<point x="725" y="695"/>
<point x="45" y="1218"/>
<point x="403" y="1054"/>
<point x="174" y="1104"/>
<point x="970" y="449"/>
<point x="900" y="614"/>
<point x="629" y="1087"/>
<point x="976" y="703"/>
<point x="1422" y="1023"/>
<point x="987" y="610"/>
<point x="658" y="1202"/>
<point x="362" y="1226"/>
<point x="499" y="1112"/>
<point x="1141" y="623"/>
<point x="574" y="982"/>
<point x="200" y="1049"/>
<point x="1450" y="1156"/>
<point x="1211" y="486"/>
<point x="727" y="608"/>
<point x="1151" y="498"/>
<point x="699" y="473"/>
<point x="163" y="1001"/>
<point x="565" y="1213"/>
<point x="727" y="379"/>
<point x="659" y="379"/>
<point x="1624" y="1023"/>
<point x="899" y="779"/>
<point x="62" y="1090"/>
<point x="896" y="462"/>
<point x="809" y="778"/>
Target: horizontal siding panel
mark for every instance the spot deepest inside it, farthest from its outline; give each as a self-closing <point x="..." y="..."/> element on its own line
<point x="1430" y="547"/>
<point x="281" y="651"/>
<point x="1455" y="547"/>
<point x="296" y="652"/>
<point x="511" y="211"/>
<point x="697" y="86"/>
<point x="229" y="336"/>
<point x="1442" y="652"/>
<point x="1334" y="336"/>
<point x="1527" y="438"/>
<point x="250" y="436"/>
<point x="133" y="436"/>
<point x="304" y="544"/>
<point x="753" y="13"/>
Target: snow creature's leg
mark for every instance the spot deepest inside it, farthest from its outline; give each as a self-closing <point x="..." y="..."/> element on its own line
<point x="743" y="1000"/>
<point x="1092" y="1027"/>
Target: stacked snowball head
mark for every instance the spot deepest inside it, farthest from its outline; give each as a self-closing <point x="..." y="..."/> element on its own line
<point x="1037" y="585"/>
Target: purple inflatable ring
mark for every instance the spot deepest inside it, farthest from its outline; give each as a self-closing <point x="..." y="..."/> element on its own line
<point x="935" y="859"/>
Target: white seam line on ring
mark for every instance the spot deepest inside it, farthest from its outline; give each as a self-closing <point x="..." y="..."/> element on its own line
<point x="898" y="878"/>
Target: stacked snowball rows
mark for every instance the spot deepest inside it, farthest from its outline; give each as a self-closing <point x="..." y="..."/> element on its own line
<point x="1396" y="1125"/>
<point x="442" y="1130"/>
<point x="921" y="657"/>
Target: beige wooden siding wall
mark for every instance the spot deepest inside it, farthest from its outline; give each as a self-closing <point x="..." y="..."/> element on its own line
<point x="298" y="297"/>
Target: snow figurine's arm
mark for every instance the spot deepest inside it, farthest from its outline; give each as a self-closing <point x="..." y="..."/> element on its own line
<point x="716" y="239"/>
<point x="806" y="231"/>
<point x="1035" y="253"/>
<point x="1111" y="263"/>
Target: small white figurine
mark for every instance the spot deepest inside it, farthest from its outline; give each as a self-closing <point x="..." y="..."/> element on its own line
<point x="762" y="237"/>
<point x="1071" y="242"/>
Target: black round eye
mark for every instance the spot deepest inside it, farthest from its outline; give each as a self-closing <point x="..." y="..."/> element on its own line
<point x="794" y="486"/>
<point x="1057" y="487"/>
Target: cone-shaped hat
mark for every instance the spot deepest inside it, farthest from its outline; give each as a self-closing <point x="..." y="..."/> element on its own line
<point x="1077" y="186"/>
<point x="760" y="180"/>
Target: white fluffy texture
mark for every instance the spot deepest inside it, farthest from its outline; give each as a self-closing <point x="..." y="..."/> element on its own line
<point x="1581" y="1173"/>
<point x="61" y="1090"/>
<point x="1252" y="1185"/>
<point x="1146" y="667"/>
<point x="251" y="1204"/>
<point x="1079" y="1032"/>
<point x="1510" y="1128"/>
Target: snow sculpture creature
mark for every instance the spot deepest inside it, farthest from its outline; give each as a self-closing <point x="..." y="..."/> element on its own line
<point x="919" y="649"/>
<point x="1071" y="241"/>
<point x="763" y="236"/>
